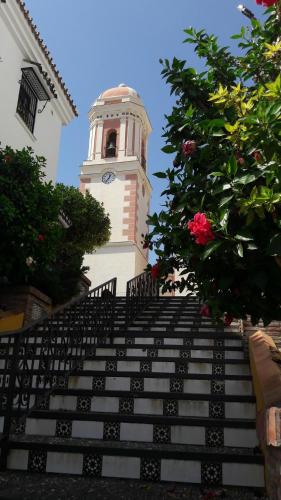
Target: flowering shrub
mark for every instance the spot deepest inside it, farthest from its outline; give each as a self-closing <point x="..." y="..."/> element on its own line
<point x="221" y="225"/>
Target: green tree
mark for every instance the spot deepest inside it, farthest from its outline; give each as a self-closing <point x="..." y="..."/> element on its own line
<point x="221" y="225"/>
<point x="35" y="248"/>
<point x="29" y="210"/>
<point x="89" y="229"/>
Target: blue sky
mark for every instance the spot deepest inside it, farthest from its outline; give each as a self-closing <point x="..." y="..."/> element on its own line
<point x="99" y="44"/>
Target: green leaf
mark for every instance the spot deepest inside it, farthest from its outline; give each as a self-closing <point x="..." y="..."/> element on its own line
<point x="160" y="175"/>
<point x="274" y="247"/>
<point x="225" y="200"/>
<point x="224" y="216"/>
<point x="216" y="174"/>
<point x="232" y="166"/>
<point x="244" y="235"/>
<point x="211" y="247"/>
<point x="169" y="149"/>
<point x="245" y="179"/>
<point x="240" y="250"/>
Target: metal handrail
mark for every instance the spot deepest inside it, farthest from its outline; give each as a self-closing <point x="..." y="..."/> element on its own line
<point x="140" y="290"/>
<point x="36" y="358"/>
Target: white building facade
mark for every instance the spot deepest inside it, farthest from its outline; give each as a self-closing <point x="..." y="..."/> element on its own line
<point x="34" y="102"/>
<point x="115" y="173"/>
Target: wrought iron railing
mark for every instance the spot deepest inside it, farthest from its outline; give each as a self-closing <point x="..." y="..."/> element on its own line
<point x="140" y="291"/>
<point x="39" y="359"/>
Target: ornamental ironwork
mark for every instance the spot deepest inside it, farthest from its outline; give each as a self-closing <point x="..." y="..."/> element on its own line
<point x="40" y="359"/>
<point x="140" y="291"/>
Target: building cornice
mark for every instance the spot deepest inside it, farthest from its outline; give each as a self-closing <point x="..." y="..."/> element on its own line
<point x="27" y="37"/>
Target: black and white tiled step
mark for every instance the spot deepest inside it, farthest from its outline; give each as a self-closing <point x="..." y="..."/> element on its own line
<point x="143" y="403"/>
<point x="126" y="426"/>
<point x="146" y="461"/>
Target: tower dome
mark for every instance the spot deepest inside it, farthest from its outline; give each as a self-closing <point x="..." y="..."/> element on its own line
<point x="122" y="90"/>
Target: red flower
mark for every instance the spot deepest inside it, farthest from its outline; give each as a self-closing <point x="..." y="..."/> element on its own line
<point x="145" y="244"/>
<point x="189" y="147"/>
<point x="227" y="319"/>
<point x="7" y="158"/>
<point x="201" y="228"/>
<point x="155" y="271"/>
<point x="257" y="155"/>
<point x="41" y="237"/>
<point x="266" y="3"/>
<point x="205" y="311"/>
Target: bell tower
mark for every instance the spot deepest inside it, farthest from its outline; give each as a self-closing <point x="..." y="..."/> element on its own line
<point x="115" y="173"/>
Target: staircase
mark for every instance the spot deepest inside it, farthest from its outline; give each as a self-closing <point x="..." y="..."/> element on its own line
<point x="168" y="398"/>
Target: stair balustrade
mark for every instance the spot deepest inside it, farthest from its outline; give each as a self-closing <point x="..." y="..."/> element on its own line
<point x="64" y="340"/>
<point x="140" y="291"/>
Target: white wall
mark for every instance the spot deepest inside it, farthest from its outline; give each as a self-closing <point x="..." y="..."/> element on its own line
<point x="110" y="262"/>
<point x="13" y="131"/>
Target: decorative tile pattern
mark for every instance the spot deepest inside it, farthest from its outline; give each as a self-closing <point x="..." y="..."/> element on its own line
<point x="83" y="403"/>
<point x="92" y="465"/>
<point x="60" y="381"/>
<point x="217" y="387"/>
<point x="121" y="353"/>
<point x="137" y="384"/>
<point x="111" y="431"/>
<point x="77" y="365"/>
<point x="218" y="343"/>
<point x="161" y="434"/>
<point x="126" y="406"/>
<point x="159" y="341"/>
<point x="146" y="366"/>
<point x="176" y="385"/>
<point x="111" y="365"/>
<point x="218" y="369"/>
<point x="185" y="354"/>
<point x="188" y="342"/>
<point x="42" y="402"/>
<point x="98" y="383"/>
<point x="211" y="473"/>
<point x="150" y="469"/>
<point x="170" y="407"/>
<point x="63" y="428"/>
<point x="152" y="353"/>
<point x="182" y="368"/>
<point x="91" y="353"/>
<point x="18" y="426"/>
<point x="218" y="355"/>
<point x="37" y="461"/>
<point x="216" y="409"/>
<point x="214" y="437"/>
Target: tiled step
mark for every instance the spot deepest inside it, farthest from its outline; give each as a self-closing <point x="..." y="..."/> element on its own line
<point x="151" y="461"/>
<point x="208" y="432"/>
<point x="216" y="405"/>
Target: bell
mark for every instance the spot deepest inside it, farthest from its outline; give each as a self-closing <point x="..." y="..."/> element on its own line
<point x="110" y="150"/>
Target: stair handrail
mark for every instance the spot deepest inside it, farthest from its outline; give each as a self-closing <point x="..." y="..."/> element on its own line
<point x="140" y="290"/>
<point x="65" y="334"/>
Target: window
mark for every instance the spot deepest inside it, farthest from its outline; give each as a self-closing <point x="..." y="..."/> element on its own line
<point x="27" y="103"/>
<point x="110" y="149"/>
<point x="31" y="91"/>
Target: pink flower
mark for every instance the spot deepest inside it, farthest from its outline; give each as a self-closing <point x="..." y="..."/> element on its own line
<point x="266" y="3"/>
<point x="227" y="319"/>
<point x="205" y="311"/>
<point x="201" y="228"/>
<point x="189" y="147"/>
<point x="155" y="271"/>
<point x="239" y="158"/>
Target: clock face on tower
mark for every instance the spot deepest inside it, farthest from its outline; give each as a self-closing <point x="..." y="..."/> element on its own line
<point x="108" y="177"/>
